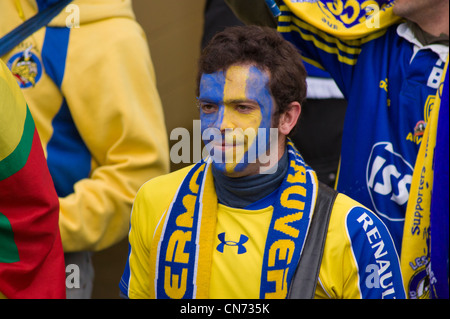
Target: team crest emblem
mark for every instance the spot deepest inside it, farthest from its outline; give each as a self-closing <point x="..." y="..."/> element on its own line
<point x="419" y="129"/>
<point x="419" y="286"/>
<point x="26" y="68"/>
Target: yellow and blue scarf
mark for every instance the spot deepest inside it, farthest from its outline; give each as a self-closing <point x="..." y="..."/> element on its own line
<point x="345" y="19"/>
<point x="426" y="276"/>
<point x="181" y="253"/>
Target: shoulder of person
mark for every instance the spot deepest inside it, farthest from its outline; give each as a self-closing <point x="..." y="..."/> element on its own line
<point x="361" y="226"/>
<point x="163" y="187"/>
<point x="153" y="199"/>
<point x="346" y="208"/>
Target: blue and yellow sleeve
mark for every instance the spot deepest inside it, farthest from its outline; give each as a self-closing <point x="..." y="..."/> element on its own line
<point x="360" y="260"/>
<point x="135" y="282"/>
<point x="323" y="50"/>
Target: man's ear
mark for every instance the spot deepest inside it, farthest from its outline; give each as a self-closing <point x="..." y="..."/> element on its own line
<point x="289" y="118"/>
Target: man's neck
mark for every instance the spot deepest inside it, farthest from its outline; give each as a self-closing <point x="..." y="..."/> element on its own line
<point x="435" y="29"/>
<point x="425" y="38"/>
<point x="434" y="22"/>
<point x="239" y="192"/>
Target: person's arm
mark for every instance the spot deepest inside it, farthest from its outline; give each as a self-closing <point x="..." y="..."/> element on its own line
<point x="135" y="283"/>
<point x="114" y="102"/>
<point x="336" y="55"/>
<point x="360" y="260"/>
<point x="321" y="49"/>
<point x="317" y="47"/>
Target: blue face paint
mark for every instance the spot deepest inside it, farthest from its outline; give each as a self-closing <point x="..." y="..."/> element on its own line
<point x="211" y="92"/>
<point x="237" y="99"/>
<point x="258" y="89"/>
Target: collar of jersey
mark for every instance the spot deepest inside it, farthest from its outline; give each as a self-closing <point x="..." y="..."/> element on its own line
<point x="404" y="31"/>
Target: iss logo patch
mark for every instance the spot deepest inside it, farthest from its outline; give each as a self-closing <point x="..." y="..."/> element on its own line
<point x="388" y="179"/>
<point x="26" y="68"/>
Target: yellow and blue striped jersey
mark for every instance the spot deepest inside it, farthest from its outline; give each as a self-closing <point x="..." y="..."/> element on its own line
<point x="390" y="81"/>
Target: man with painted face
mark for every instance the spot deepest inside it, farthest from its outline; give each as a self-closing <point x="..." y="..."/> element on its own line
<point x="242" y="222"/>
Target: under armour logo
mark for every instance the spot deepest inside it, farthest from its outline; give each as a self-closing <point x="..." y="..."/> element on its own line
<point x="242" y="240"/>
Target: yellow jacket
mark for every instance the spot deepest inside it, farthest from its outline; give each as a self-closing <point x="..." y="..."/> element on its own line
<point x="90" y="85"/>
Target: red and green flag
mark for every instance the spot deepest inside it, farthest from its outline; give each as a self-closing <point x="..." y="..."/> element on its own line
<point x="31" y="254"/>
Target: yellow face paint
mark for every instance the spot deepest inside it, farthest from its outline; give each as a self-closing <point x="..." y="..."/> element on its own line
<point x="238" y="104"/>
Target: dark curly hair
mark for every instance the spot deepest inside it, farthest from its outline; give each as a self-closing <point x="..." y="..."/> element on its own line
<point x="265" y="48"/>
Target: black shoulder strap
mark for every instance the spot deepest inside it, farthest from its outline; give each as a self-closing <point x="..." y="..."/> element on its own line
<point x="304" y="282"/>
<point x="23" y="31"/>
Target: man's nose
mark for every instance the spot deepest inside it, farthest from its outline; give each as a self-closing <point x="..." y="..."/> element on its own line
<point x="227" y="120"/>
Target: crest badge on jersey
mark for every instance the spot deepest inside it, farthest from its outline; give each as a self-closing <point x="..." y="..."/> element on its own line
<point x="26" y="68"/>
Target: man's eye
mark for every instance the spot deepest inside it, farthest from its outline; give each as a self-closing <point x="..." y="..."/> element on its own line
<point x="244" y="108"/>
<point x="208" y="108"/>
